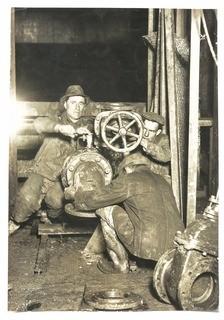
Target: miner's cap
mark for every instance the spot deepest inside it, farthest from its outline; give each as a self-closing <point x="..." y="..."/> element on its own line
<point x="152" y="116"/>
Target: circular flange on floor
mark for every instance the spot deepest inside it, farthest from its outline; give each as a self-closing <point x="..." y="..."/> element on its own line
<point x="113" y="299"/>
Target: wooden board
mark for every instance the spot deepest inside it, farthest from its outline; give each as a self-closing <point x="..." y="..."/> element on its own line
<point x="193" y="116"/>
<point x="64" y="229"/>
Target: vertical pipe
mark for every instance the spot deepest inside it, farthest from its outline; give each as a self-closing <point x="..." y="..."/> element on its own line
<point x="150" y="60"/>
<point x="155" y="102"/>
<point x="162" y="100"/>
<point x="182" y="91"/>
<point x="193" y="115"/>
<point x="181" y="23"/>
<point x="172" y="103"/>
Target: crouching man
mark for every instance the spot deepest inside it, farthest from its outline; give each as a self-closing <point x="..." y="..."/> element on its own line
<point x="137" y="211"/>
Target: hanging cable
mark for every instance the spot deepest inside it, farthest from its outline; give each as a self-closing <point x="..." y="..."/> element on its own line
<point x="208" y="38"/>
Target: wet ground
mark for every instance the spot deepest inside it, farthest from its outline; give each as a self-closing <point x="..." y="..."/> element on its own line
<point x="68" y="278"/>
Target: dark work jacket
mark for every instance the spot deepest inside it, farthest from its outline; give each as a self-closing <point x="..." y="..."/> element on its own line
<point x="150" y="206"/>
<point x="56" y="147"/>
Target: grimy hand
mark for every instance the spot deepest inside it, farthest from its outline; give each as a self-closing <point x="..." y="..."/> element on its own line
<point x="66" y="130"/>
<point x="70" y="193"/>
<point x="144" y="143"/>
<point x="83" y="131"/>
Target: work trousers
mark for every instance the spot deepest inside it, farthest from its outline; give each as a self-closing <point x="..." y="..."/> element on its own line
<point x="29" y="199"/>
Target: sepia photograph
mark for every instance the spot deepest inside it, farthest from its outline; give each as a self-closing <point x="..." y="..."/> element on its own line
<point x="113" y="164"/>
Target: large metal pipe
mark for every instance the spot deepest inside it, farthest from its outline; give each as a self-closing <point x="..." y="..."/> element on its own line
<point x="187" y="275"/>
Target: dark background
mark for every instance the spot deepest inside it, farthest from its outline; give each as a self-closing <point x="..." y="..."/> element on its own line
<point x="101" y="49"/>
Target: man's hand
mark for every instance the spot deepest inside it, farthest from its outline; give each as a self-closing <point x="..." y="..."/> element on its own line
<point x="144" y="143"/>
<point x="66" y="130"/>
<point x="83" y="130"/>
<point x="149" y="147"/>
<point x="70" y="193"/>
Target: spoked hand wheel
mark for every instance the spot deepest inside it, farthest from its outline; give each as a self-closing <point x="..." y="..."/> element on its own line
<point x="122" y="131"/>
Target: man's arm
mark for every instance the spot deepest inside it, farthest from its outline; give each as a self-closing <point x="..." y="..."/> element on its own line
<point x="45" y="124"/>
<point x="49" y="125"/>
<point x="114" y="193"/>
<point x="158" y="150"/>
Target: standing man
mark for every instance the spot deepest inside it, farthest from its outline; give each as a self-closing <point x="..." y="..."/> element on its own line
<point x="137" y="210"/>
<point x="60" y="141"/>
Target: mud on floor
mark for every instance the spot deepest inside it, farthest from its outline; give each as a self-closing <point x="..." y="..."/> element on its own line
<point x="69" y="275"/>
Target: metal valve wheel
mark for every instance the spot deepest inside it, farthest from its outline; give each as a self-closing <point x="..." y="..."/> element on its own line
<point x="124" y="128"/>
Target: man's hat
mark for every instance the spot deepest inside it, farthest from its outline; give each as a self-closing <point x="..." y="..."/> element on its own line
<point x="152" y="116"/>
<point x="136" y="158"/>
<point x="71" y="91"/>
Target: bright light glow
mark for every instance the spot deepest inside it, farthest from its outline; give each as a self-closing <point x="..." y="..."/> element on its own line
<point x="17" y="114"/>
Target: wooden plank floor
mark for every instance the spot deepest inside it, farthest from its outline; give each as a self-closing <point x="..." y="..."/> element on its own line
<point x="68" y="275"/>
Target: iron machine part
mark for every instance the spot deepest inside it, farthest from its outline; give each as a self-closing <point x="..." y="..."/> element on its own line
<point x="187" y="275"/>
<point x="113" y="300"/>
<point x="86" y="168"/>
<point x="106" y="111"/>
<point x="121" y="131"/>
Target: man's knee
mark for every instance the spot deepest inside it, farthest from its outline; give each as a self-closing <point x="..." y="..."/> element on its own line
<point x="25" y="206"/>
<point x="55" y="197"/>
<point x="28" y="199"/>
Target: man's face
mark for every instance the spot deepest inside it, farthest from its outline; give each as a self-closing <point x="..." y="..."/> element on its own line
<point x="151" y="129"/>
<point x="74" y="107"/>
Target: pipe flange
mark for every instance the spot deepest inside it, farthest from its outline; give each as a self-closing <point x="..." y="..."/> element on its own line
<point x="198" y="288"/>
<point x="113" y="299"/>
<point x="160" y="274"/>
<point x="72" y="163"/>
<point x="69" y="208"/>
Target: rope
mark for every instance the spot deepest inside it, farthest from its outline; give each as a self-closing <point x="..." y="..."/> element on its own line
<point x="208" y="38"/>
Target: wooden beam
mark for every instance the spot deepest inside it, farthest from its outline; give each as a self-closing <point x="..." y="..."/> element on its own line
<point x="27" y="128"/>
<point x="206" y="122"/>
<point x="12" y="145"/>
<point x="28" y="142"/>
<point x="38" y="108"/>
<point x="33" y="109"/>
<point x="193" y="115"/>
<point x="214" y="150"/>
<point x="65" y="229"/>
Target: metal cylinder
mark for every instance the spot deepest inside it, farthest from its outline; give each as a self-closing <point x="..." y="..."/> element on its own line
<point x="87" y="169"/>
<point x="86" y="160"/>
<point x="188" y="274"/>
